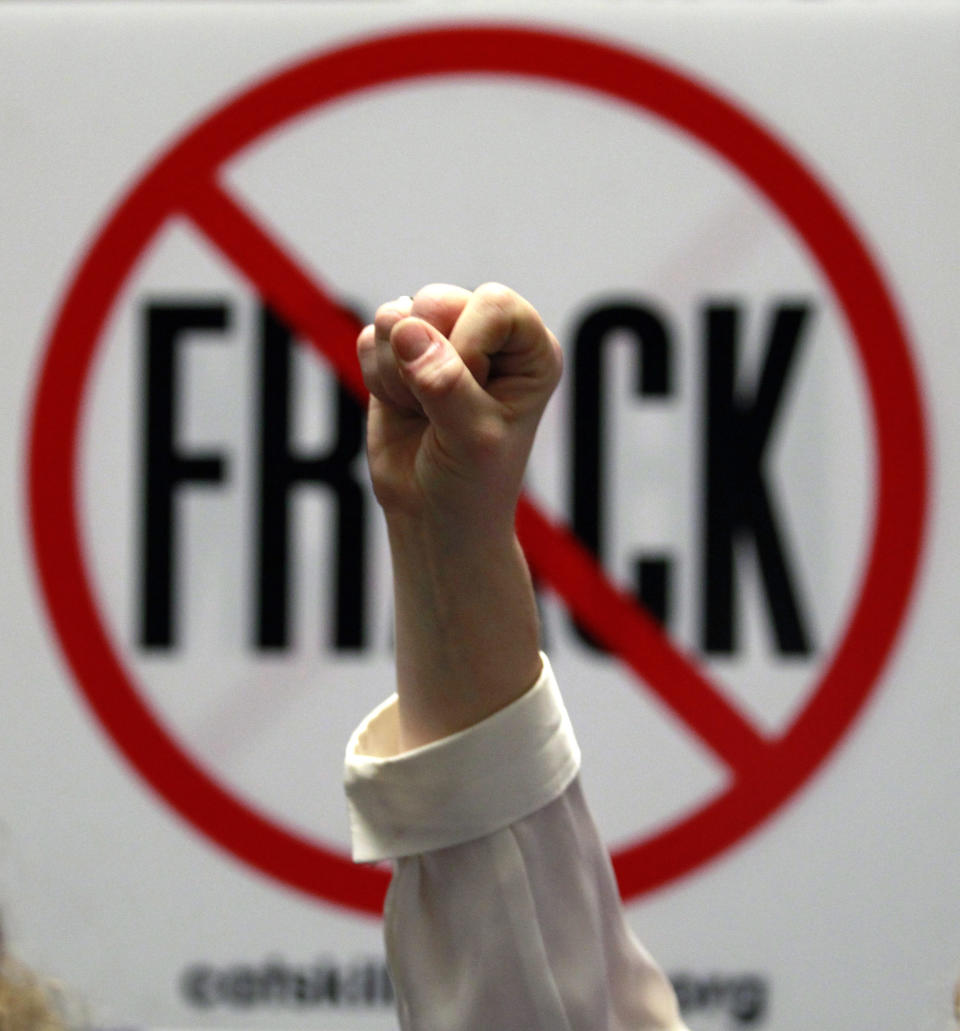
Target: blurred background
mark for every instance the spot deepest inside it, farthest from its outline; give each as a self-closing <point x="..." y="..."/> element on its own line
<point x="741" y="221"/>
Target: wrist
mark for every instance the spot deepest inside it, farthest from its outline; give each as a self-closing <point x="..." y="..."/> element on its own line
<point x="449" y="540"/>
<point x="467" y="629"/>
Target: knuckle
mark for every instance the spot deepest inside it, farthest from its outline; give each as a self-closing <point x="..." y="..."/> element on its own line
<point x="441" y="376"/>
<point x="365" y="342"/>
<point x="493" y="289"/>
<point x="497" y="304"/>
<point x="496" y="299"/>
<point x="511" y="312"/>
<point x="556" y="356"/>
<point x="367" y="361"/>
<point x="426" y="306"/>
<point x="382" y="313"/>
<point x="386" y="316"/>
<point x="429" y="298"/>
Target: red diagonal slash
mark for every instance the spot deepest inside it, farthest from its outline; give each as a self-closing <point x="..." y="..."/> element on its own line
<point x="554" y="553"/>
<point x="185" y="179"/>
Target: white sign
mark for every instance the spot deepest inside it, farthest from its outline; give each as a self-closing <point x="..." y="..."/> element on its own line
<point x="735" y="514"/>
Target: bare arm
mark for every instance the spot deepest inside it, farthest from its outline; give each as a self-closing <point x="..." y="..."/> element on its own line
<point x="458" y="383"/>
<point x="489" y="828"/>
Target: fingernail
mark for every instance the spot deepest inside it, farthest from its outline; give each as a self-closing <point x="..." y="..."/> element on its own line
<point x="411" y="341"/>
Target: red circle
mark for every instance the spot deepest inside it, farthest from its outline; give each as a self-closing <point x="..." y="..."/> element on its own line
<point x="192" y="165"/>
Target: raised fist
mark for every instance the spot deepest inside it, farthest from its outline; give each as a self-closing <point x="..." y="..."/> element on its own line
<point x="458" y="382"/>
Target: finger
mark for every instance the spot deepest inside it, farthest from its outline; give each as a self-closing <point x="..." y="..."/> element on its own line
<point x="523" y="355"/>
<point x="367" y="357"/>
<point x="391" y="383"/>
<point x="460" y="410"/>
<point x="440" y="304"/>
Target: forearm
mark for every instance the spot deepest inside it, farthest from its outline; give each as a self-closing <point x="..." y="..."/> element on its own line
<point x="488" y="825"/>
<point x="467" y="634"/>
<point x="450" y="427"/>
<point x="489" y="829"/>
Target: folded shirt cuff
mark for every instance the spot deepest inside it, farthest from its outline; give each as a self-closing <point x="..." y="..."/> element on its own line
<point x="465" y="786"/>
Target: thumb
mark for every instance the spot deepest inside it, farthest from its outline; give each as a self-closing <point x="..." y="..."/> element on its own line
<point x="438" y="378"/>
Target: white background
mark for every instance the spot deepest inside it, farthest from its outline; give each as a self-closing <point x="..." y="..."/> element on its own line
<point x="847" y="900"/>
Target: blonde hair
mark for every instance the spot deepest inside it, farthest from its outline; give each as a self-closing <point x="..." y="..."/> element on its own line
<point x="27" y="1002"/>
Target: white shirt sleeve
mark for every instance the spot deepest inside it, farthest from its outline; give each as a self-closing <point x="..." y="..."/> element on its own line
<point x="503" y="913"/>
